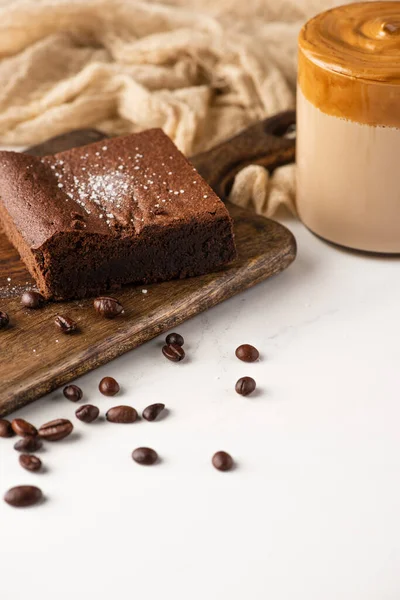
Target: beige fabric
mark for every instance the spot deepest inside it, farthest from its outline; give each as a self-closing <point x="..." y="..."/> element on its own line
<point x="200" y="69"/>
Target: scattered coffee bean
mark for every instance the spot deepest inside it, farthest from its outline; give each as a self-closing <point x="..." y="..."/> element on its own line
<point x="222" y="461"/>
<point x="4" y="319"/>
<point x="174" y="338"/>
<point x="247" y="353"/>
<point x="173" y="352"/>
<point x="87" y="413"/>
<point x="121" y="414"/>
<point x="29" y="443"/>
<point x="73" y="393"/>
<point x="6" y="431"/>
<point x="32" y="300"/>
<point x="108" y="307"/>
<point x="145" y="456"/>
<point x="56" y="430"/>
<point x="30" y="462"/>
<point x="66" y="324"/>
<point x="23" y="496"/>
<point x="151" y="412"/>
<point x="245" y="386"/>
<point x="108" y="386"/>
<point x="23" y="428"/>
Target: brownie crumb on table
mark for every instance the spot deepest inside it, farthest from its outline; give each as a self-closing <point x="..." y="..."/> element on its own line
<point x="128" y="211"/>
<point x="4" y="319"/>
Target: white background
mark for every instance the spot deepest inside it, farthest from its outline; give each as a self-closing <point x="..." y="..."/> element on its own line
<point x="312" y="510"/>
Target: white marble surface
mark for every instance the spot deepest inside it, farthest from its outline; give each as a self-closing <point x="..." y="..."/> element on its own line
<point x="312" y="510"/>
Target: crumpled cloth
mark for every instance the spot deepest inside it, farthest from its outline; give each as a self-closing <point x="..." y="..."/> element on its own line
<point x="200" y="69"/>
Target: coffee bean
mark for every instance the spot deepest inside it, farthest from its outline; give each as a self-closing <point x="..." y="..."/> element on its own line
<point x="151" y="412"/>
<point x="247" y="353"/>
<point x="108" y="386"/>
<point x="222" y="461"/>
<point x="173" y="352"/>
<point x="32" y="300"/>
<point x="174" y="338"/>
<point x="245" y="386"/>
<point x="66" y="324"/>
<point x="29" y="443"/>
<point x="108" y="307"/>
<point x="6" y="431"/>
<point x="121" y="414"/>
<point x="56" y="430"/>
<point x="23" y="428"/>
<point x="87" y="413"/>
<point x="23" y="496"/>
<point x="73" y="393"/>
<point x="145" y="456"/>
<point x="4" y="319"/>
<point x="30" y="462"/>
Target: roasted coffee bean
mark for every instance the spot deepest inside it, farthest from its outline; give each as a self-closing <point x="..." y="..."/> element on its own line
<point x="245" y="386"/>
<point x="174" y="338"/>
<point x="23" y="496"/>
<point x="247" y="353"/>
<point x="73" y="393"/>
<point x="108" y="386"/>
<point x="222" y="461"/>
<point x="87" y="413"/>
<point x="145" y="456"/>
<point x="66" y="324"/>
<point x="6" y="431"/>
<point x="108" y="307"/>
<point x="4" y="319"/>
<point x="30" y="462"/>
<point x="28" y="444"/>
<point x="32" y="300"/>
<point x="56" y="430"/>
<point x="151" y="412"/>
<point x="173" y="352"/>
<point x="23" y="428"/>
<point x="121" y="414"/>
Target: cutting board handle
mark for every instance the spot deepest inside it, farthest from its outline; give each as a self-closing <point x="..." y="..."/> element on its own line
<point x="270" y="143"/>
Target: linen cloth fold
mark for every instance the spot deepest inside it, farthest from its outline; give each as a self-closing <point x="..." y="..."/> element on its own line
<point x="200" y="69"/>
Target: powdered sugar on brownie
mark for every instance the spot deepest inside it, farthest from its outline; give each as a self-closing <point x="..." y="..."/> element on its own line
<point x="124" y="187"/>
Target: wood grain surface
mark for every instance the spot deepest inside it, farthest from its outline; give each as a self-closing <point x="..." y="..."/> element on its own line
<point x="36" y="357"/>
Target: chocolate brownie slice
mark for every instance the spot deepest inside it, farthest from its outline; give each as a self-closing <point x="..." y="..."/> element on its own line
<point x="123" y="210"/>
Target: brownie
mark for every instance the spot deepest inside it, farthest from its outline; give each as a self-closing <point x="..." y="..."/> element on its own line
<point x="122" y="210"/>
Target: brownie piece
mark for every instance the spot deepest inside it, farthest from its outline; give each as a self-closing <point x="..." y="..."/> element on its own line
<point x="122" y="210"/>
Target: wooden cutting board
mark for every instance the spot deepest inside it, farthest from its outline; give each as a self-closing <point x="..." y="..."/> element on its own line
<point x="37" y="358"/>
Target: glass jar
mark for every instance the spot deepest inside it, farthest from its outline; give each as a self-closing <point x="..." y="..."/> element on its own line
<point x="348" y="126"/>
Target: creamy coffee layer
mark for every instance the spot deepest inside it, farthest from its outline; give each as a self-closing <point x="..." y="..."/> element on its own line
<point x="349" y="62"/>
<point x="348" y="180"/>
